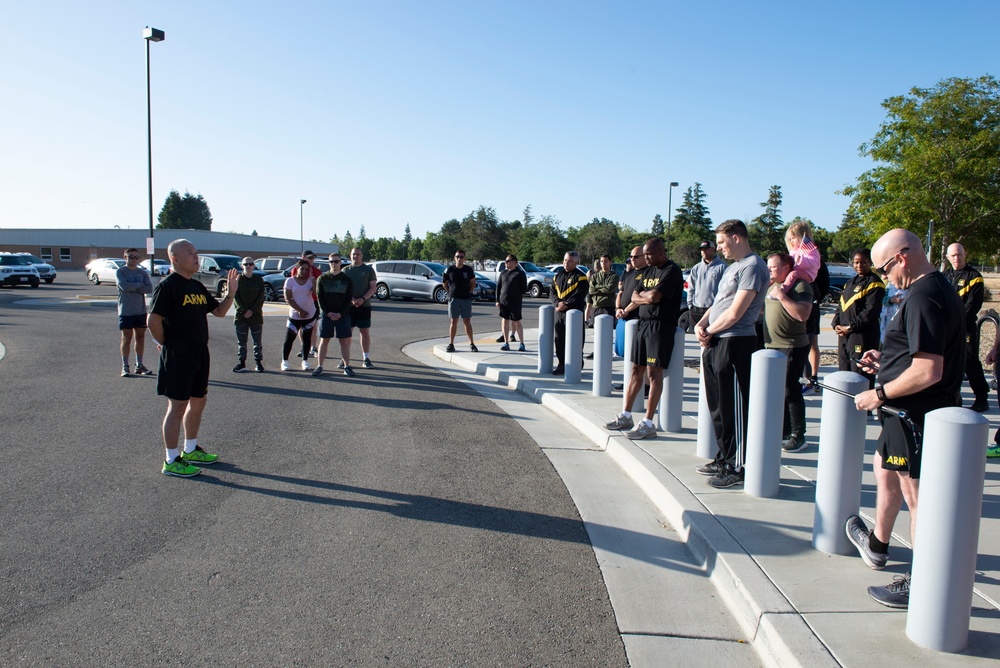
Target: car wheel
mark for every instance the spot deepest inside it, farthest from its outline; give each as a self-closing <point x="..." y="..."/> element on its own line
<point x="269" y="294"/>
<point x="94" y="279"/>
<point x="535" y="290"/>
<point x="441" y="295"/>
<point x="35" y="284"/>
<point x="684" y="321"/>
<point x="223" y="289"/>
<point x="382" y="292"/>
<point x="49" y="280"/>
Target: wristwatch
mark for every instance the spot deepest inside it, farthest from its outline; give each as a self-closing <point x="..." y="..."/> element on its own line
<point x="880" y="393"/>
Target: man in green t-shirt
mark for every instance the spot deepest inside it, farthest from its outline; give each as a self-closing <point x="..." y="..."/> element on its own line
<point x="334" y="293"/>
<point x="785" y="318"/>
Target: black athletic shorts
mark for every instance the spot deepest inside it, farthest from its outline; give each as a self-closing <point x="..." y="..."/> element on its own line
<point x="900" y="442"/>
<point x="653" y="344"/>
<point x="330" y="328"/>
<point x="510" y="311"/>
<point x="183" y="371"/>
<point x="361" y="317"/>
<point x="812" y="324"/>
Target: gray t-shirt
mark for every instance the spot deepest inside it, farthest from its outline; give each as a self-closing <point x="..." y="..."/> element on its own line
<point x="750" y="273"/>
<point x="133" y="286"/>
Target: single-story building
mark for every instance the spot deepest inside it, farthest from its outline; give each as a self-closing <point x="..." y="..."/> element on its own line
<point x="67" y="249"/>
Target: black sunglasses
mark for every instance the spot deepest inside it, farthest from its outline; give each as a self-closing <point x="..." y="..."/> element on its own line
<point x="884" y="269"/>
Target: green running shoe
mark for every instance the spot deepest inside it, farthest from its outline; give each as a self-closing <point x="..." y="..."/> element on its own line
<point x="180" y="469"/>
<point x="993" y="451"/>
<point x="199" y="456"/>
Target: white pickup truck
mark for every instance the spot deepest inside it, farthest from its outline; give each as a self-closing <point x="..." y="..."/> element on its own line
<point x="539" y="280"/>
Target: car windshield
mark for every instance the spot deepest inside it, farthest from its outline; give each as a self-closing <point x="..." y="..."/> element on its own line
<point x="13" y="260"/>
<point x="34" y="260"/>
<point x="227" y="263"/>
<point x="435" y="267"/>
<point x="527" y="266"/>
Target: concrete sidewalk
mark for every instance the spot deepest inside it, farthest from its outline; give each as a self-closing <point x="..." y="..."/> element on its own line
<point x="798" y="605"/>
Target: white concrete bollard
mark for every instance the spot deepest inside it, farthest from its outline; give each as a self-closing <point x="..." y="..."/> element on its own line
<point x="840" y="463"/>
<point x="952" y="474"/>
<point x="603" y="350"/>
<point x="671" y="408"/>
<point x="707" y="447"/>
<point x="767" y="405"/>
<point x="573" y="354"/>
<point x="546" y="340"/>
<point x="631" y="327"/>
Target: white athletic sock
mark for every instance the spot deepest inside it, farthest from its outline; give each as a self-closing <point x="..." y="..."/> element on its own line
<point x="173" y="454"/>
<point x="647" y="422"/>
<point x="190" y="444"/>
<point x="366" y="355"/>
<point x="626" y="414"/>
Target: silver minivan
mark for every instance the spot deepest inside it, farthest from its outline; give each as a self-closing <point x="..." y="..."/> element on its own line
<point x="409" y="279"/>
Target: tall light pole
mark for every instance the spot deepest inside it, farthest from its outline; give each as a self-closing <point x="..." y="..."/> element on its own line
<point x="670" y="206"/>
<point x="150" y="35"/>
<point x="302" y="242"/>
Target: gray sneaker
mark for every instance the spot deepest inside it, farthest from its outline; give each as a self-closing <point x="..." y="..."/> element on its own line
<point x="640" y="432"/>
<point x="620" y="422"/>
<point x="709" y="469"/>
<point x="726" y="478"/>
<point x="894" y="595"/>
<point x="859" y="535"/>
<point x="794" y="444"/>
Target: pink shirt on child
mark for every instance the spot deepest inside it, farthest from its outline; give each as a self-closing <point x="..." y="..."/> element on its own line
<point x="806" y="258"/>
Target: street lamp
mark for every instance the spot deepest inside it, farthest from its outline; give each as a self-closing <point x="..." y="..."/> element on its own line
<point x="150" y="35"/>
<point x="302" y="243"/>
<point x="670" y="206"/>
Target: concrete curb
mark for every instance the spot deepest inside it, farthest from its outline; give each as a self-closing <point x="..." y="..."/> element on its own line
<point x="779" y="633"/>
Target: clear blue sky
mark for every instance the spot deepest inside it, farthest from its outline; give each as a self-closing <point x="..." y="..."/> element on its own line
<point x="388" y="113"/>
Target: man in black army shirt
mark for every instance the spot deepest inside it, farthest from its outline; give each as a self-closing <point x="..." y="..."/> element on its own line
<point x="857" y="318"/>
<point x="569" y="293"/>
<point x="970" y="287"/>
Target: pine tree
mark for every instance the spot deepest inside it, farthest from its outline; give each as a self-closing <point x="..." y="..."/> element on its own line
<point x="765" y="230"/>
<point x="657" y="226"/>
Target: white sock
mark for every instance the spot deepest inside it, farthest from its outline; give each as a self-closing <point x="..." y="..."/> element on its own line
<point x="366" y="355"/>
<point x="190" y="444"/>
<point x="647" y="422"/>
<point x="626" y="414"/>
<point x="172" y="454"/>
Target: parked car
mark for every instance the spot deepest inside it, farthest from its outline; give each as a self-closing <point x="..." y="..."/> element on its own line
<point x="274" y="283"/>
<point x="539" y="279"/>
<point x="15" y="270"/>
<point x="103" y="269"/>
<point x="275" y="264"/>
<point x="160" y="267"/>
<point x="45" y="270"/>
<point x="212" y="270"/>
<point x="409" y="279"/>
<point x="839" y="275"/>
<point x="486" y="288"/>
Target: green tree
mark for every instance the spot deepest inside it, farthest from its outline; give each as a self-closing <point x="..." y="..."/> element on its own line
<point x="415" y="251"/>
<point x="407" y="236"/>
<point x="937" y="157"/>
<point x="848" y="237"/>
<point x="439" y="247"/>
<point x="365" y="245"/>
<point x="361" y="232"/>
<point x="481" y="235"/>
<point x="766" y="235"/>
<point x="348" y="240"/>
<point x="380" y="249"/>
<point x="658" y="228"/>
<point x="526" y="218"/>
<point x="698" y="214"/>
<point x="596" y="238"/>
<point x="184" y="213"/>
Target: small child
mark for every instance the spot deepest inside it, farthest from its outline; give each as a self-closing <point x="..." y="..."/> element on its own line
<point x="804" y="252"/>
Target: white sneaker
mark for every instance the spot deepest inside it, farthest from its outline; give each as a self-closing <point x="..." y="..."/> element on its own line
<point x="305" y="365"/>
<point x="284" y="365"/>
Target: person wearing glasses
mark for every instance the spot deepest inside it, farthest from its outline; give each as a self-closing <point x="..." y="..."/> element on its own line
<point x="133" y="286"/>
<point x="703" y="282"/>
<point x="460" y="281"/>
<point x="919" y="369"/>
<point x="249" y="319"/>
<point x="334" y="292"/>
<point x="858" y="315"/>
<point x="511" y="286"/>
<point x="625" y="310"/>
